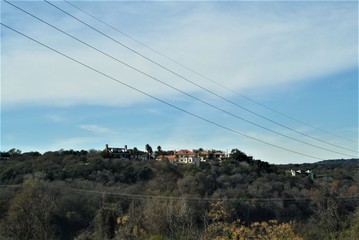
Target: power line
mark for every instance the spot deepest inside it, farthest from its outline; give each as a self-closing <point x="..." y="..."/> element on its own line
<point x="192" y="82"/>
<point x="215" y="82"/>
<point x="184" y="198"/>
<point x="156" y="98"/>
<point x="168" y="85"/>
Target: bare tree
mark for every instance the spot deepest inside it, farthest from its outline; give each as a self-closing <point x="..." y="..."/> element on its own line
<point x="30" y="214"/>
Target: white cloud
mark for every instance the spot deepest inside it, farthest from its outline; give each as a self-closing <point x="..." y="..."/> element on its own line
<point x="270" y="50"/>
<point x="244" y="46"/>
<point x="95" y="128"/>
<point x="56" y="117"/>
<point x="76" y="143"/>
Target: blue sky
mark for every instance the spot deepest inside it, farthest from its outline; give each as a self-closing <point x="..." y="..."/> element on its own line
<point x="299" y="58"/>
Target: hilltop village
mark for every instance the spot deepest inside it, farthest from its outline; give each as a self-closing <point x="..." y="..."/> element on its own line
<point x="182" y="156"/>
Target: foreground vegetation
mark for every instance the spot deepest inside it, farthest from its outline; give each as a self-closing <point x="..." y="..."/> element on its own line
<point x="83" y="195"/>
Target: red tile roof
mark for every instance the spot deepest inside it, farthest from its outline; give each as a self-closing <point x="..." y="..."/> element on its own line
<point x="170" y="157"/>
<point x="184" y="152"/>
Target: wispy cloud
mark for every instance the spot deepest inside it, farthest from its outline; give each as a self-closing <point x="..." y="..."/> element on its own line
<point x="95" y="128"/>
<point x="238" y="44"/>
<point x="77" y="143"/>
<point x="56" y="117"/>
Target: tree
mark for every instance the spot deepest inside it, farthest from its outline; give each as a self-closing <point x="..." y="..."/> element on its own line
<point x="239" y="156"/>
<point x="327" y="215"/>
<point x="149" y="150"/>
<point x="30" y="214"/>
<point x="222" y="229"/>
<point x="352" y="232"/>
<point x="159" y="150"/>
<point x="170" y="219"/>
<point x="135" y="152"/>
<point x="14" y="151"/>
<point x="105" y="221"/>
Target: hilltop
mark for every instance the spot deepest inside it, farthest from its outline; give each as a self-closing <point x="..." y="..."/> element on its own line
<point x="339" y="161"/>
<point x="90" y="194"/>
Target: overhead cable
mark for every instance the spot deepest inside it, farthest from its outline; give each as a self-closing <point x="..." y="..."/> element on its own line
<point x="144" y="197"/>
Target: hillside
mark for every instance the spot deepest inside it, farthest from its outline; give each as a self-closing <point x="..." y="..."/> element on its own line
<point x="340" y="161"/>
<point x="87" y="195"/>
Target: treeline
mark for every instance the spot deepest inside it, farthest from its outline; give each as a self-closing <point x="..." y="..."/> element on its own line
<point x="83" y="195"/>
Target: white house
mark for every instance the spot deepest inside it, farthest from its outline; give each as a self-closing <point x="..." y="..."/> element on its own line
<point x="187" y="156"/>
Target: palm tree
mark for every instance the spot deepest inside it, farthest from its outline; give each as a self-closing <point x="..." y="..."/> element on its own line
<point x="159" y="150"/>
<point x="135" y="152"/>
<point x="149" y="150"/>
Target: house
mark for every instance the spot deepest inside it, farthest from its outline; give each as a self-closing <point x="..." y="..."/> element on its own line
<point x="171" y="158"/>
<point x="120" y="153"/>
<point x="308" y="173"/>
<point x="206" y="155"/>
<point x="187" y="156"/>
<point x="183" y="156"/>
<point x="220" y="155"/>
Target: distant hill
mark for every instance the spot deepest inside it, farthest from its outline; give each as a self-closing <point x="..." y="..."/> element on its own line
<point x="339" y="161"/>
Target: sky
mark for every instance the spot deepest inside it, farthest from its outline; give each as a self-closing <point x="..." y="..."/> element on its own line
<point x="218" y="71"/>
